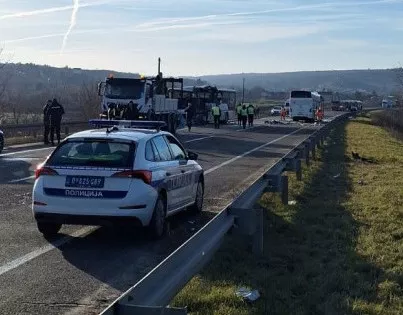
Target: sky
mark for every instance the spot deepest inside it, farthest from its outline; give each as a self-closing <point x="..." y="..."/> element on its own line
<point x="199" y="37"/>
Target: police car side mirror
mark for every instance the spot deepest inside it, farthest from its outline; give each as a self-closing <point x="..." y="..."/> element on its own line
<point x="192" y="156"/>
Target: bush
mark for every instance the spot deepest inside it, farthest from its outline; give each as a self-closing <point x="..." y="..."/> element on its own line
<point x="391" y="119"/>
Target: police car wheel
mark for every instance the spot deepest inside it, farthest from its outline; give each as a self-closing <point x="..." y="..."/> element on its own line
<point x="157" y="225"/>
<point x="198" y="205"/>
<point x="48" y="229"/>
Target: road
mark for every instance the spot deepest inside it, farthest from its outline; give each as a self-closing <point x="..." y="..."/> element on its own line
<point x="86" y="268"/>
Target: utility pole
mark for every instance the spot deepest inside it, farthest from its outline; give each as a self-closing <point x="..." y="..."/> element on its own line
<point x="243" y="90"/>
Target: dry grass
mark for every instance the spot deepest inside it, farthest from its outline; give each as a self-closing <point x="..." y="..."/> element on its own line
<point x="339" y="250"/>
<point x="391" y="119"/>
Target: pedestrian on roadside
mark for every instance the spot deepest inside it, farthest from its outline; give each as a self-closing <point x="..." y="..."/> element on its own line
<point x="238" y="112"/>
<point x="56" y="112"/>
<point x="216" y="112"/>
<point x="244" y="115"/>
<point x="251" y="113"/>
<point x="46" y="122"/>
<point x="189" y="110"/>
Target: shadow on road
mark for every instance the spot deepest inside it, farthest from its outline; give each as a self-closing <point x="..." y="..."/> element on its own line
<point x="121" y="256"/>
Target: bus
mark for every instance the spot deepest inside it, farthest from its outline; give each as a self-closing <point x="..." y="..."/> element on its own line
<point x="228" y="97"/>
<point x="303" y="105"/>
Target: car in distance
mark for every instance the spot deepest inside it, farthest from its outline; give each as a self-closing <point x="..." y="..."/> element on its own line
<point x="119" y="174"/>
<point x="276" y="110"/>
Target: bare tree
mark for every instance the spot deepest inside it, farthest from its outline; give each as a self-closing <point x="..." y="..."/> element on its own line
<point x="88" y="100"/>
<point x="399" y="80"/>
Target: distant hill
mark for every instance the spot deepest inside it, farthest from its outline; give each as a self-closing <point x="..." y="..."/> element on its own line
<point x="380" y="81"/>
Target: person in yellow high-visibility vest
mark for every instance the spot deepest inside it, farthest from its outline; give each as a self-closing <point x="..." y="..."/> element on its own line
<point x="244" y="114"/>
<point x="238" y="112"/>
<point x="251" y="113"/>
<point x="216" y="112"/>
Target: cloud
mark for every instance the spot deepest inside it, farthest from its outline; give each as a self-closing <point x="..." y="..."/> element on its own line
<point x="73" y="21"/>
<point x="51" y="10"/>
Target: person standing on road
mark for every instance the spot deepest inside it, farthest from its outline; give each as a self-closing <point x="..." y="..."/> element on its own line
<point x="282" y="113"/>
<point x="238" y="112"/>
<point x="251" y="113"/>
<point x="244" y="115"/>
<point x="189" y="115"/>
<point x="46" y="122"/>
<point x="216" y="112"/>
<point x="56" y="112"/>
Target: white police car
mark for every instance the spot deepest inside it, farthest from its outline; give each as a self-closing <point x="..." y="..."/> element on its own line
<point x="117" y="175"/>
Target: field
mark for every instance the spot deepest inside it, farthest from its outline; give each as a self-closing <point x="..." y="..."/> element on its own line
<point x="337" y="250"/>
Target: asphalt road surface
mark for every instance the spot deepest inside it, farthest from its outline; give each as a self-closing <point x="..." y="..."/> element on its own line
<point x="85" y="268"/>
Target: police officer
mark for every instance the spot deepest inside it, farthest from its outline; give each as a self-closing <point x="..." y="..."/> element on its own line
<point x="244" y="115"/>
<point x="56" y="112"/>
<point x="46" y="122"/>
<point x="238" y="112"/>
<point x="251" y="113"/>
<point x="216" y="112"/>
<point x="189" y="115"/>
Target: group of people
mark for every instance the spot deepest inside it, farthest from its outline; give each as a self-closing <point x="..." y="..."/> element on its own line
<point x="53" y="112"/>
<point x="246" y="114"/>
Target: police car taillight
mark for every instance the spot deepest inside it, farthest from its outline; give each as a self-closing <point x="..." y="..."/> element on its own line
<point x="145" y="176"/>
<point x="42" y="170"/>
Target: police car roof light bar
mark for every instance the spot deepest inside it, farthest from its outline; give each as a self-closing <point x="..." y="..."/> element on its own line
<point x="140" y="124"/>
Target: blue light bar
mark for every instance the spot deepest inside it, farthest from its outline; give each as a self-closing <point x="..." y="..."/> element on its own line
<point x="140" y="124"/>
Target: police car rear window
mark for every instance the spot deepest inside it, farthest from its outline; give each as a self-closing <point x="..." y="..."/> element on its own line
<point x="94" y="153"/>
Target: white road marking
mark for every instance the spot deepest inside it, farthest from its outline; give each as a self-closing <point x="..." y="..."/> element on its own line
<point x="25" y="151"/>
<point x="43" y="250"/>
<point x="249" y="152"/>
<point x="21" y="179"/>
<point x="199" y="139"/>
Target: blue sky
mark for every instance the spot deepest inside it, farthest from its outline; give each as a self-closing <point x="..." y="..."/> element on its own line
<point x="197" y="37"/>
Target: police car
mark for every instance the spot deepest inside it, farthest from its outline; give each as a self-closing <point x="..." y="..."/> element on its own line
<point x="120" y="172"/>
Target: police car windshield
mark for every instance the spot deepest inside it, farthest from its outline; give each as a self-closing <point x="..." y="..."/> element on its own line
<point x="94" y="153"/>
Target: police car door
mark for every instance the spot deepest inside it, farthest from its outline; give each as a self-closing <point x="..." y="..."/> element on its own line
<point x="187" y="170"/>
<point x="168" y="169"/>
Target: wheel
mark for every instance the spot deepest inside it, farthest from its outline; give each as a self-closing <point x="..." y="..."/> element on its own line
<point x="199" y="199"/>
<point x="48" y="229"/>
<point x="1" y="143"/>
<point x="157" y="226"/>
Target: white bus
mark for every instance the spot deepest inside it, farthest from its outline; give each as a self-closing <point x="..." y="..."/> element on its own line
<point x="303" y="105"/>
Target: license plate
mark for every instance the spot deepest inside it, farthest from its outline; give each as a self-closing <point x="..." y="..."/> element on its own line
<point x="85" y="181"/>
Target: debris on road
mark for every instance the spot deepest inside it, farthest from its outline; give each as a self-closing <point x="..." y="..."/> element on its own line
<point x="248" y="294"/>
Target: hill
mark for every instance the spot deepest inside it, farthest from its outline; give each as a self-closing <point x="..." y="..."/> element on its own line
<point x="380" y="81"/>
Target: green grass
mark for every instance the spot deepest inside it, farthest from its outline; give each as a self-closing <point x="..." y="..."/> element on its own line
<point x="339" y="250"/>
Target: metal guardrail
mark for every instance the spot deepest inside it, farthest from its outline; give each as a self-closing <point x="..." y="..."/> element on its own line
<point x="36" y="130"/>
<point x="153" y="293"/>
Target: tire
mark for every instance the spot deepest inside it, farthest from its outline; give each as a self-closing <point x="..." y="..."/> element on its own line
<point x="48" y="229"/>
<point x="199" y="198"/>
<point x="157" y="226"/>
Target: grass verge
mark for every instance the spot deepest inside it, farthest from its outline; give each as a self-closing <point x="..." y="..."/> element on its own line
<point x="338" y="250"/>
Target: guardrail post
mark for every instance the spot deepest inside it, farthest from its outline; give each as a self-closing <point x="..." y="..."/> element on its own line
<point x="306" y="153"/>
<point x="284" y="190"/>
<point x="313" y="148"/>
<point x="298" y="169"/>
<point x="257" y="246"/>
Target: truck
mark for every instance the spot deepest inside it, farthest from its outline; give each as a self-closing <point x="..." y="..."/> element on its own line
<point x="150" y="94"/>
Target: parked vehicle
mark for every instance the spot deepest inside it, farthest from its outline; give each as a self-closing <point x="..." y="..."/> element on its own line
<point x="276" y="110"/>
